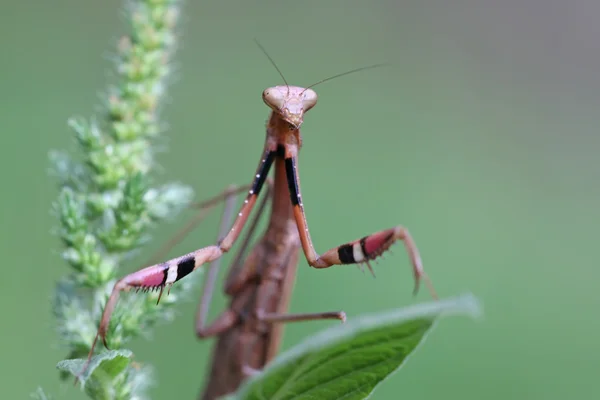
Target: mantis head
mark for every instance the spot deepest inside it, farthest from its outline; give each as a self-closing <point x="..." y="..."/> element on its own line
<point x="290" y="102"/>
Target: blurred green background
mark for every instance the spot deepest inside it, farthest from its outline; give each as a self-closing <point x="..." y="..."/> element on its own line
<point x="481" y="138"/>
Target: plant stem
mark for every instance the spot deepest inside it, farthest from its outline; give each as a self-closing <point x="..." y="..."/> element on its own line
<point x="108" y="201"/>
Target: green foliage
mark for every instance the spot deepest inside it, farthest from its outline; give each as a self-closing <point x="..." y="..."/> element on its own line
<point x="108" y="203"/>
<point x="349" y="361"/>
<point x="109" y="376"/>
<point x="102" y="371"/>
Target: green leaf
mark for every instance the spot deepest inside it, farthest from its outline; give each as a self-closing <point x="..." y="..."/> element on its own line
<point x="350" y="360"/>
<point x="101" y="372"/>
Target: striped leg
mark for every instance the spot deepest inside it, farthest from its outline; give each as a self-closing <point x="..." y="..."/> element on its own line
<point x="228" y="318"/>
<point x="202" y="210"/>
<point x="372" y="246"/>
<point x="158" y="276"/>
<point x="358" y="251"/>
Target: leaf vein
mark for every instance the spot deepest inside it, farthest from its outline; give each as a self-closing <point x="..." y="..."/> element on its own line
<point x="303" y="367"/>
<point x="350" y="373"/>
<point x="335" y="357"/>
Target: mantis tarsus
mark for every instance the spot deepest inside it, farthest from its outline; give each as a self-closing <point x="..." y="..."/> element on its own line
<point x="259" y="284"/>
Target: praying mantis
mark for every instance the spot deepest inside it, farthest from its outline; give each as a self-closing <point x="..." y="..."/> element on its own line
<point x="260" y="280"/>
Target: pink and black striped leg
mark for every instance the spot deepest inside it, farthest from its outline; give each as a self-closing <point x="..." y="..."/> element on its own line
<point x="229" y="317"/>
<point x="372" y="246"/>
<point x="158" y="276"/>
<point x="202" y="210"/>
<point x="358" y="251"/>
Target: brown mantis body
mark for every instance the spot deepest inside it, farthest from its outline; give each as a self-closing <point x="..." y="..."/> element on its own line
<point x="260" y="284"/>
<point x="248" y="336"/>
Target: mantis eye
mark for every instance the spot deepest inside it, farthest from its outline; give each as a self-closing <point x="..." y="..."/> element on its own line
<point x="309" y="99"/>
<point x="273" y="98"/>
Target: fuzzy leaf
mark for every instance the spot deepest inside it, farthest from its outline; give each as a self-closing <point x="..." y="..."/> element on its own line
<point x="349" y="361"/>
<point x="103" y="369"/>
